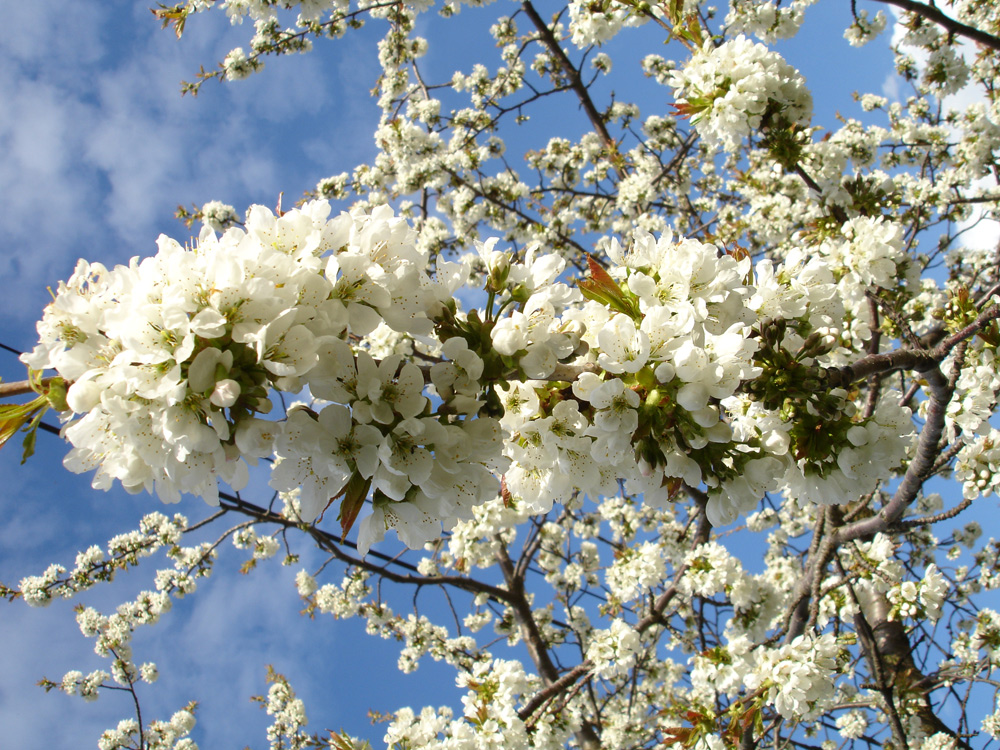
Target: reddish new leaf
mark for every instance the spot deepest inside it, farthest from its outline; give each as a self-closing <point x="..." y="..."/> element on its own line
<point x="601" y="288"/>
<point x="354" y="497"/>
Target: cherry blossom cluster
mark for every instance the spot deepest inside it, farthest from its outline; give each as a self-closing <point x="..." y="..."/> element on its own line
<point x="767" y="21"/>
<point x="595" y="23"/>
<point x="668" y="329"/>
<point x="613" y="651"/>
<point x="113" y="634"/>
<point x="796" y="676"/>
<point x="95" y="565"/>
<point x="978" y="466"/>
<point x="158" y="735"/>
<point x="289" y="714"/>
<point x="171" y="360"/>
<point x="738" y="88"/>
<point x="919" y="600"/>
<point x="682" y="360"/>
<point x="422" y="469"/>
<point x="489" y="716"/>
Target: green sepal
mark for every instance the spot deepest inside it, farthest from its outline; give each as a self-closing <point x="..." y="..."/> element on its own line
<point x="55" y="394"/>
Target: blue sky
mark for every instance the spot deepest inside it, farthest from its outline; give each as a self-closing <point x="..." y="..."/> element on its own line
<point x="98" y="149"/>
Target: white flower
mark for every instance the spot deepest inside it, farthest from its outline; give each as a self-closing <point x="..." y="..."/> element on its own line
<point x="864" y="29"/>
<point x="852" y="724"/>
<point x="711" y="570"/>
<point x="636" y="571"/>
<point x="623" y="347"/>
<point x="617" y="407"/>
<point x="933" y="589"/>
<point x="305" y="584"/>
<point x="218" y="215"/>
<point x="237" y="66"/>
<point x="797" y="676"/>
<point x="413" y="525"/>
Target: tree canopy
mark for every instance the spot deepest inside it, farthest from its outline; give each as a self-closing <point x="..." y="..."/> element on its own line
<point x="677" y="397"/>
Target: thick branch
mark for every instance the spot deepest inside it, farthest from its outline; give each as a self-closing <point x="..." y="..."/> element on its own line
<point x="984" y="318"/>
<point x="877" y="668"/>
<point x="554" y="688"/>
<point x="890" y="656"/>
<point x="921" y="466"/>
<point x="921" y="361"/>
<point x="820" y="551"/>
<point x="570" y="373"/>
<point x="918" y="470"/>
<point x="529" y="628"/>
<point x="880" y="364"/>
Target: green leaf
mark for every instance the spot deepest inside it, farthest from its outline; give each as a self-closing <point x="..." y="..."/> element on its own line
<point x="29" y="439"/>
<point x="175" y="16"/>
<point x="14" y="416"/>
<point x="344" y="741"/>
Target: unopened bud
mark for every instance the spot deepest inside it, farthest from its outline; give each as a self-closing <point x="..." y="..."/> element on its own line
<point x="521" y="293"/>
<point x="499" y="272"/>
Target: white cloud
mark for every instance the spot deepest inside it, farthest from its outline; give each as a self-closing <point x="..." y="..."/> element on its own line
<point x="46" y="199"/>
<point x="58" y="34"/>
<point x="890" y="87"/>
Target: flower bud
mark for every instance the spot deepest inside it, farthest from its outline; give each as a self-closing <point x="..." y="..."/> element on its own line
<point x="225" y="394"/>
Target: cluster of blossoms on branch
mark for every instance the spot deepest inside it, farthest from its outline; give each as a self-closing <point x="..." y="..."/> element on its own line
<point x="172" y="361"/>
<point x="680" y="365"/>
<point x="740" y="88"/>
<point x="113" y="634"/>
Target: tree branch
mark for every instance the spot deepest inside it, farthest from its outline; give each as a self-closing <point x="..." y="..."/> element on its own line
<point x="919" y="469"/>
<point x="332" y="544"/>
<point x="917" y="472"/>
<point x="576" y="83"/>
<point x="554" y="688"/>
<point x="879" y="364"/>
<point x="955" y="27"/>
<point x="537" y="648"/>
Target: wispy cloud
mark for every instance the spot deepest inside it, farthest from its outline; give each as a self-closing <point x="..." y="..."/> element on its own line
<point x="99" y="147"/>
